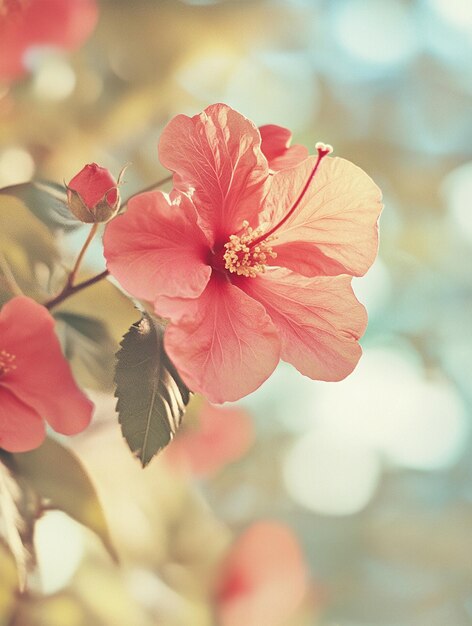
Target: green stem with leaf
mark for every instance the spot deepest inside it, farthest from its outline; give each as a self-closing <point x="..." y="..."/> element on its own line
<point x="69" y="291"/>
<point x="70" y="288"/>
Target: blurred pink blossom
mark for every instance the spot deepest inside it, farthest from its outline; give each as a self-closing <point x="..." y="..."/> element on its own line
<point x="29" y="23"/>
<point x="263" y="579"/>
<point x="221" y="436"/>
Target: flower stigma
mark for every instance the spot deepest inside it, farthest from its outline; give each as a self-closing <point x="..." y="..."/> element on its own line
<point x="6" y="362"/>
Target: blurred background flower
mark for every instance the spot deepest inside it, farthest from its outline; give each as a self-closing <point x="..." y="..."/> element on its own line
<point x="371" y="477"/>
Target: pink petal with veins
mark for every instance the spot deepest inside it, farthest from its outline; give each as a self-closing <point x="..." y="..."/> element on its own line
<point x="217" y="154"/>
<point x="337" y="217"/>
<point x="226" y="346"/>
<point x="319" y="320"/>
<point x="156" y="248"/>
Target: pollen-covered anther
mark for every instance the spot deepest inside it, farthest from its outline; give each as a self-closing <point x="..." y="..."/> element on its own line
<point x="243" y="259"/>
<point x="6" y="362"/>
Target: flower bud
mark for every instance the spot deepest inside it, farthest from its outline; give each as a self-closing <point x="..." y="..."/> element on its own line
<point x="93" y="194"/>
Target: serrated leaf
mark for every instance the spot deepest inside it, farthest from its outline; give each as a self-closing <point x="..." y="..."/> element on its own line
<point x="47" y="201"/>
<point x="61" y="481"/>
<point x="87" y="344"/>
<point x="13" y="525"/>
<point x="151" y="395"/>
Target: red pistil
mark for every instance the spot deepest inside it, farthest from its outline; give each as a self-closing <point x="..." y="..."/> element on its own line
<point x="323" y="150"/>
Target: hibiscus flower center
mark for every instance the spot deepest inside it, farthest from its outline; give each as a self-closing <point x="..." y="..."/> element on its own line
<point x="244" y="258"/>
<point x="6" y="362"/>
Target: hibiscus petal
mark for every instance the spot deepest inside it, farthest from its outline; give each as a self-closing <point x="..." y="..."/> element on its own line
<point x="42" y="378"/>
<point x="264" y="577"/>
<point x="217" y="154"/>
<point x="307" y="260"/>
<point x="225" y="346"/>
<point x="277" y="150"/>
<point x="156" y="247"/>
<point x="21" y="428"/>
<point x="319" y="320"/>
<point x="337" y="217"/>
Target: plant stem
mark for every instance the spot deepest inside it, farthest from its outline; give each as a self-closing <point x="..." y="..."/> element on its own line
<point x="75" y="269"/>
<point x="70" y="290"/>
<point x="165" y="180"/>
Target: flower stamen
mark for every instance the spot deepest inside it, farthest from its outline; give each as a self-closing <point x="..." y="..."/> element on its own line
<point x="6" y="362"/>
<point x="244" y="258"/>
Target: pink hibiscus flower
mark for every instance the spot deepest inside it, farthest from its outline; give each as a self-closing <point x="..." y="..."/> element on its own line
<point x="36" y="383"/>
<point x="27" y="23"/>
<point x="263" y="579"/>
<point x="248" y="266"/>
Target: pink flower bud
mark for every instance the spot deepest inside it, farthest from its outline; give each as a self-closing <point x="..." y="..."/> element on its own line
<point x="93" y="194"/>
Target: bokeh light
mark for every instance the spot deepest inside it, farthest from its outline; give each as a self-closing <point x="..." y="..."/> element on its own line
<point x="329" y="474"/>
<point x="377" y="32"/>
<point x="16" y="166"/>
<point x="389" y="405"/>
<point x="60" y="546"/>
<point x="457" y="189"/>
<point x="54" y="78"/>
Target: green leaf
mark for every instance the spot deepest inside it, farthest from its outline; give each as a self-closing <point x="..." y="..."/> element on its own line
<point x="61" y="481"/>
<point x="24" y="240"/>
<point x="88" y="345"/>
<point x="47" y="201"/>
<point x="151" y="395"/>
<point x="15" y="526"/>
